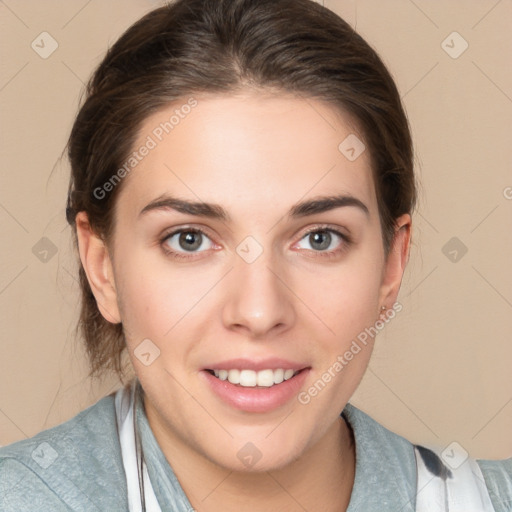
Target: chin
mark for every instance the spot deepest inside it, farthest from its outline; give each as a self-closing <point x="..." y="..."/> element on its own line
<point x="257" y="454"/>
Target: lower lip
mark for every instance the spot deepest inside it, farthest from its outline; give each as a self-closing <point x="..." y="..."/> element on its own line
<point x="256" y="399"/>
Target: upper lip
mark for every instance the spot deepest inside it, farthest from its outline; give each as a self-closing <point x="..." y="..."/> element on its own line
<point x="256" y="365"/>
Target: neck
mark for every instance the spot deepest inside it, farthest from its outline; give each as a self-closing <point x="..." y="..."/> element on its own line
<point x="320" y="479"/>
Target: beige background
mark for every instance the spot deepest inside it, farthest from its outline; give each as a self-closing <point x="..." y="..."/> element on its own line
<point x="441" y="371"/>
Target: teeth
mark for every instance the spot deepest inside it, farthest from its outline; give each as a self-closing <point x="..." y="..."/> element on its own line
<point x="278" y="376"/>
<point x="234" y="376"/>
<point x="265" y="378"/>
<point x="250" y="378"/>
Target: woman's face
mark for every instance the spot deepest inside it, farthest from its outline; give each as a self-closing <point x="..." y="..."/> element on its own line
<point x="227" y="259"/>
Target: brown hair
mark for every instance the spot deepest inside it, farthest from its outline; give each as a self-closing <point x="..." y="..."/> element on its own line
<point x="221" y="46"/>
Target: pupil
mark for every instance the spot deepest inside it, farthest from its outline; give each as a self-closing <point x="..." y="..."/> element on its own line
<point x="187" y="240"/>
<point x="323" y="238"/>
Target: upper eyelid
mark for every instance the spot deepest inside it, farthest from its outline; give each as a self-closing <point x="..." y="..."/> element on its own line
<point x="206" y="231"/>
<point x="173" y="231"/>
<point x="325" y="227"/>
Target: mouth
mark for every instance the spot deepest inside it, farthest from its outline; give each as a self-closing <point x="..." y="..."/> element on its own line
<point x="255" y="385"/>
<point x="258" y="390"/>
<point x="254" y="379"/>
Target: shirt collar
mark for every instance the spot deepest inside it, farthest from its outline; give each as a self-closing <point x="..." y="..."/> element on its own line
<point x="385" y="476"/>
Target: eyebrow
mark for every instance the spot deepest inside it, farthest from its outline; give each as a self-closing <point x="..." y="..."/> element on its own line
<point x="215" y="211"/>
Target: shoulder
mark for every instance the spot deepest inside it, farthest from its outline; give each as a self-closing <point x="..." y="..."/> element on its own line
<point x="498" y="478"/>
<point x="395" y="454"/>
<point x="76" y="465"/>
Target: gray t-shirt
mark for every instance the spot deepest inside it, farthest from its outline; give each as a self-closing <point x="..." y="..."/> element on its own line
<point x="78" y="466"/>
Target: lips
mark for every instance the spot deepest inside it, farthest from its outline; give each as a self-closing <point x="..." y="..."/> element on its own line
<point x="256" y="385"/>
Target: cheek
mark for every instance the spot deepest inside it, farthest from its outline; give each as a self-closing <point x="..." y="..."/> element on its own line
<point x="345" y="298"/>
<point x="142" y="297"/>
<point x="155" y="297"/>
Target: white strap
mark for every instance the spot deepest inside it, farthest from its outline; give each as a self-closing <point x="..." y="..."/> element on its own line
<point x="463" y="489"/>
<point x="124" y="404"/>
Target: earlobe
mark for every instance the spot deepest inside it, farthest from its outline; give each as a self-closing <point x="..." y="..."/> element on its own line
<point x="97" y="264"/>
<point x="396" y="262"/>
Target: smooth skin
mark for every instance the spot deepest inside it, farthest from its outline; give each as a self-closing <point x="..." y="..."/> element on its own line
<point x="256" y="155"/>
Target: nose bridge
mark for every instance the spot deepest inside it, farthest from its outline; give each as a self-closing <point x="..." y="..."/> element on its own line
<point x="257" y="300"/>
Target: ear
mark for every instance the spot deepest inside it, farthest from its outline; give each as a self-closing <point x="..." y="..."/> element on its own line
<point x="98" y="268"/>
<point x="396" y="261"/>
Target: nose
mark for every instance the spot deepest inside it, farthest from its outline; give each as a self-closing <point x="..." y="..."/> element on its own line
<point x="259" y="302"/>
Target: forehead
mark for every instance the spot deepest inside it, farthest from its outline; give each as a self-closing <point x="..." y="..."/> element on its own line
<point x="247" y="151"/>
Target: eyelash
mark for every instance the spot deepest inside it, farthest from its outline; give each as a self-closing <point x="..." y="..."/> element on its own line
<point x="347" y="242"/>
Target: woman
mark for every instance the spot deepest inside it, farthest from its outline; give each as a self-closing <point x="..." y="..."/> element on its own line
<point x="241" y="195"/>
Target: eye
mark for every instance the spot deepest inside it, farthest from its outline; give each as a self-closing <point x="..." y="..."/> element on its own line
<point x="186" y="240"/>
<point x="326" y="241"/>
